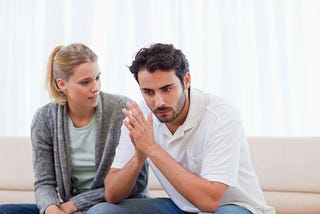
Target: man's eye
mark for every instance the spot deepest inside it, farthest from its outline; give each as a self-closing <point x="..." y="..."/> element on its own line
<point x="167" y="89"/>
<point x="148" y="92"/>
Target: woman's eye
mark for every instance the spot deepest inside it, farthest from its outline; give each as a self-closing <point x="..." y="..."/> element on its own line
<point x="84" y="83"/>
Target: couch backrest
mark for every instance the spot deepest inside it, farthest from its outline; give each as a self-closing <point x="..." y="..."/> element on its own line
<point x="288" y="164"/>
<point x="289" y="172"/>
<point x="16" y="163"/>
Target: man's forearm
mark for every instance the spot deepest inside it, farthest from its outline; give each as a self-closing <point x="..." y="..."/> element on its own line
<point x="120" y="182"/>
<point x="205" y="195"/>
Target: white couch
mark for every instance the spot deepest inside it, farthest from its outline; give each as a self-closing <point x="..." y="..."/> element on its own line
<point x="288" y="169"/>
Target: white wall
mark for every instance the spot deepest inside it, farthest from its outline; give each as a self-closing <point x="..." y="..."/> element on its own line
<point x="263" y="56"/>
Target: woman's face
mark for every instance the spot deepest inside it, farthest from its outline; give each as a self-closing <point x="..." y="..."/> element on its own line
<point x="83" y="87"/>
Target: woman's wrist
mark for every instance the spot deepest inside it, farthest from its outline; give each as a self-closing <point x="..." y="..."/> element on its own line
<point x="53" y="209"/>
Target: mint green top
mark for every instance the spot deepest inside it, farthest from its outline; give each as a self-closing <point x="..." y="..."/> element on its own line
<point x="82" y="145"/>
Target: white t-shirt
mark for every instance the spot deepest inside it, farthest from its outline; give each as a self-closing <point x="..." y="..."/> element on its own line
<point x="211" y="143"/>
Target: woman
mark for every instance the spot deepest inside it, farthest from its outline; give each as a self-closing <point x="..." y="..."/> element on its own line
<point x="74" y="138"/>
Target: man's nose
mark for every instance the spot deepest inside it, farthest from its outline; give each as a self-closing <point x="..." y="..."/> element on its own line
<point x="159" y="101"/>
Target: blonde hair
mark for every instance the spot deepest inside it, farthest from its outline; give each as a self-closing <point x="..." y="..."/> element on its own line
<point x="61" y="64"/>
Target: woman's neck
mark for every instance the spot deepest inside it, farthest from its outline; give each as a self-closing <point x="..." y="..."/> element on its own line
<point x="81" y="117"/>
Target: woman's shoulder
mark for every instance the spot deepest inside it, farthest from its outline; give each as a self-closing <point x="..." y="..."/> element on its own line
<point x="48" y="107"/>
<point x="47" y="110"/>
<point x="45" y="116"/>
<point x="113" y="99"/>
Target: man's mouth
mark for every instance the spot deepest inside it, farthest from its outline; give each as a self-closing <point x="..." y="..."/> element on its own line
<point x="162" y="111"/>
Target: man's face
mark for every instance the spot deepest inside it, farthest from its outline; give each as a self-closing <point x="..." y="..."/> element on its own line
<point x="164" y="94"/>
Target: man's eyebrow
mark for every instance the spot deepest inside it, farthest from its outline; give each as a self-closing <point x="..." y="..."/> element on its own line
<point x="145" y="89"/>
<point x="163" y="87"/>
<point x="166" y="86"/>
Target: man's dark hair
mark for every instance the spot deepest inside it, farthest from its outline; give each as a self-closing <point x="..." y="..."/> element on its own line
<point x="160" y="57"/>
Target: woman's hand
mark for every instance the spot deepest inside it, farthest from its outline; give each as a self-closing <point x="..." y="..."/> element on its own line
<point x="68" y="207"/>
<point x="53" y="209"/>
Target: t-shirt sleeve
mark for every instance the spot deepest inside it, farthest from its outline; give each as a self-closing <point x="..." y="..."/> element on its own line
<point x="222" y="156"/>
<point x="124" y="151"/>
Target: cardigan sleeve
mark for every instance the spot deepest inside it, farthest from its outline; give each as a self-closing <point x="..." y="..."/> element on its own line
<point x="43" y="163"/>
<point x="89" y="198"/>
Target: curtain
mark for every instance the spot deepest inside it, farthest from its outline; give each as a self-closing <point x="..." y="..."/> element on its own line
<point x="262" y="56"/>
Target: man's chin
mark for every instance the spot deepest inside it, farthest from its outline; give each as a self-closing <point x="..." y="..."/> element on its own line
<point x="162" y="119"/>
<point x="165" y="119"/>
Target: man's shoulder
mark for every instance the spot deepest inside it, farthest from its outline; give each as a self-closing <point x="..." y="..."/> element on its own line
<point x="219" y="107"/>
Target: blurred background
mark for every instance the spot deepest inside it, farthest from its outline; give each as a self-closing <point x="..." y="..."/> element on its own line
<point x="261" y="55"/>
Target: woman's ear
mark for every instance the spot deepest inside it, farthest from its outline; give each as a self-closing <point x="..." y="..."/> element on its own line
<point x="61" y="84"/>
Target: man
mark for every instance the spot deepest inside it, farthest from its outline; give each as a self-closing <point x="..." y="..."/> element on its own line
<point x="194" y="143"/>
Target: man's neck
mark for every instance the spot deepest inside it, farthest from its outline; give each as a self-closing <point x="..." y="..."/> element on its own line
<point x="174" y="125"/>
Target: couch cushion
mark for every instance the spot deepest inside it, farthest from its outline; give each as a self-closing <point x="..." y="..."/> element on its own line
<point x="293" y="202"/>
<point x="19" y="196"/>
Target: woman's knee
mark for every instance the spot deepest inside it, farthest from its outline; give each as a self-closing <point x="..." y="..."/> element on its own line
<point x="19" y="208"/>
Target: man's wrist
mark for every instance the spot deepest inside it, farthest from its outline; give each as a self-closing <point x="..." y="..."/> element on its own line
<point x="140" y="158"/>
<point x="154" y="151"/>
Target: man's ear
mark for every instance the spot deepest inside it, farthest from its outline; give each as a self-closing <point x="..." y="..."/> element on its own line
<point x="61" y="84"/>
<point x="187" y="80"/>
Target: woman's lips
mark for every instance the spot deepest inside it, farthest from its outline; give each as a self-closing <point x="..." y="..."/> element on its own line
<point x="95" y="97"/>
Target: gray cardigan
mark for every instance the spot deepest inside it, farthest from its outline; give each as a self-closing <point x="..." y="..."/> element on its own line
<point x="51" y="153"/>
